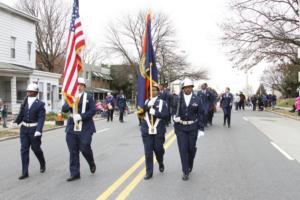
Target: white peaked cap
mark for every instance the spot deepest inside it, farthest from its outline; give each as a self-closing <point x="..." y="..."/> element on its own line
<point x="187" y="82"/>
<point x="81" y="81"/>
<point x="32" y="87"/>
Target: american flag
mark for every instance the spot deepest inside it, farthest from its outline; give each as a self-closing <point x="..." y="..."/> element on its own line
<point x="73" y="65"/>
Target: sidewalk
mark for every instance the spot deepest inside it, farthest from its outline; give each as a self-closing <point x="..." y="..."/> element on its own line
<point x="284" y="111"/>
<point x="11" y="133"/>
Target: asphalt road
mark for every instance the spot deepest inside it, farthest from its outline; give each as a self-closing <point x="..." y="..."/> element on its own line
<point x="257" y="158"/>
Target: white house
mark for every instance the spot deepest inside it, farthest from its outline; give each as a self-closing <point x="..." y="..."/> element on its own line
<point x="18" y="61"/>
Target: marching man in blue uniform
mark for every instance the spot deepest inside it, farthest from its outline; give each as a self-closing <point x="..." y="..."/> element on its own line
<point x="32" y="118"/>
<point x="154" y="134"/>
<point x="226" y="105"/>
<point x="207" y="102"/>
<point x="80" y="129"/>
<point x="188" y="123"/>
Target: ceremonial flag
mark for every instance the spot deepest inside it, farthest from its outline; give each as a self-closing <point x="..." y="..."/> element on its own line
<point x="73" y="65"/>
<point x="147" y="69"/>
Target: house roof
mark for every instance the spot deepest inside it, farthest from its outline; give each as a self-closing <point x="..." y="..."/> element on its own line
<point x="18" y="12"/>
<point x="7" y="67"/>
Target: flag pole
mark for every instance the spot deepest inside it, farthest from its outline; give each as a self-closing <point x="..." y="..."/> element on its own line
<point x="151" y="94"/>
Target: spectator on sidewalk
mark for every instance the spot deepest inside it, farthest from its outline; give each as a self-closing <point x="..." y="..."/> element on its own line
<point x="236" y="101"/>
<point x="4" y="115"/>
<point x="273" y="101"/>
<point x="110" y="102"/>
<point x="297" y="105"/>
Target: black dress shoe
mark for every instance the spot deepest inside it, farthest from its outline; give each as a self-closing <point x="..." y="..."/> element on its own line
<point x="23" y="176"/>
<point x="93" y="168"/>
<point x="185" y="177"/>
<point x="161" y="167"/>
<point x="147" y="176"/>
<point x="43" y="168"/>
<point x="73" y="178"/>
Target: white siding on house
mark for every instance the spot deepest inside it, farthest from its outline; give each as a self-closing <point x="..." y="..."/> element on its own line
<point x="52" y="104"/>
<point x="12" y="25"/>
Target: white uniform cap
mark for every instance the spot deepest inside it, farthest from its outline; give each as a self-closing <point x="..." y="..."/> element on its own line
<point x="187" y="82"/>
<point x="81" y="81"/>
<point x="108" y="94"/>
<point x="32" y="87"/>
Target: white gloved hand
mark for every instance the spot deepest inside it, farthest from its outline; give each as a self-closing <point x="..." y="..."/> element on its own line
<point x="176" y="119"/>
<point x="152" y="111"/>
<point x="37" y="133"/>
<point x="151" y="103"/>
<point x="77" y="117"/>
<point x="14" y="125"/>
<point x="200" y="133"/>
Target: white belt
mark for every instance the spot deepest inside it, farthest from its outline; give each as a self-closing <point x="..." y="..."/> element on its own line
<point x="186" y="122"/>
<point x="29" y="124"/>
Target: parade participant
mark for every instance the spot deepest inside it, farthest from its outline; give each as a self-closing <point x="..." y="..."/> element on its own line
<point x="110" y="103"/>
<point x="188" y="123"/>
<point x="153" y="134"/>
<point x="226" y="104"/>
<point x="207" y="101"/>
<point x="32" y="119"/>
<point x="121" y="102"/>
<point x="165" y="95"/>
<point x="212" y="108"/>
<point x="79" y="131"/>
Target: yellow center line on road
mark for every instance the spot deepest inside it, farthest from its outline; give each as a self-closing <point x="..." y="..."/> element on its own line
<point x="106" y="194"/>
<point x="124" y="194"/>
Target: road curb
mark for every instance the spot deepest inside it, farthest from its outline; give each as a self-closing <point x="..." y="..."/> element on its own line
<point x="284" y="115"/>
<point x="47" y="130"/>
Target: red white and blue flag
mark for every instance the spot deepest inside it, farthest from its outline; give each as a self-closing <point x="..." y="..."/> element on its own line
<point x="73" y="65"/>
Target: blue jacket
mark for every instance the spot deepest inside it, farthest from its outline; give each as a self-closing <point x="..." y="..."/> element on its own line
<point x="207" y="99"/>
<point x="161" y="112"/>
<point x="167" y="97"/>
<point x="111" y="101"/>
<point x="226" y="100"/>
<point x="87" y="117"/>
<point x="193" y="112"/>
<point x="36" y="114"/>
<point x="121" y="101"/>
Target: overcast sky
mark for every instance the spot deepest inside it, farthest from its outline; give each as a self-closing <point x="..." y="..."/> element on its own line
<point x="196" y="23"/>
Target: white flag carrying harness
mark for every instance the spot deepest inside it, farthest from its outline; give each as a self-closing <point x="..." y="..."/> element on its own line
<point x="153" y="131"/>
<point x="84" y="100"/>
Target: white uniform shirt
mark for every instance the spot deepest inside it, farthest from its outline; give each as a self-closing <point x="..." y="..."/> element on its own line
<point x="30" y="101"/>
<point x="187" y="98"/>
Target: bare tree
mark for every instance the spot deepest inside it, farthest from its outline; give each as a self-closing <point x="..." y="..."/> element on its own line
<point x="92" y="55"/>
<point x="50" y="30"/>
<point x="125" y="39"/>
<point x="262" y="30"/>
<point x="283" y="77"/>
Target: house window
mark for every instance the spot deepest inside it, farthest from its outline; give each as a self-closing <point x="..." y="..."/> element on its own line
<point x="48" y="91"/>
<point x="29" y="50"/>
<point x="41" y="91"/>
<point x="13" y="47"/>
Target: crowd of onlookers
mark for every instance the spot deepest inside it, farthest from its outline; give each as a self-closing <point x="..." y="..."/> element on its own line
<point x="260" y="102"/>
<point x="254" y="102"/>
<point x="107" y="107"/>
